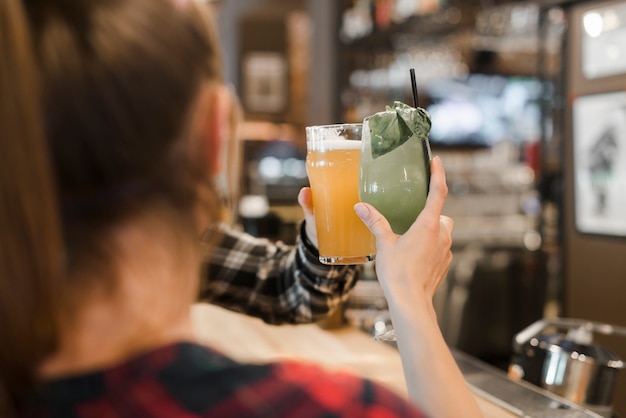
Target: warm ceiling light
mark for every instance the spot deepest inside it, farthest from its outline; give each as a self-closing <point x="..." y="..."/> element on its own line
<point x="593" y="24"/>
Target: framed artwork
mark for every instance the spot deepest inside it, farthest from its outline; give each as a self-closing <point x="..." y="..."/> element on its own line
<point x="599" y="161"/>
<point x="265" y="82"/>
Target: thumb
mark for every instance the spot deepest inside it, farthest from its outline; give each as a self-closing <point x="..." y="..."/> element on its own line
<point x="438" y="188"/>
<point x="374" y="220"/>
<point x="305" y="200"/>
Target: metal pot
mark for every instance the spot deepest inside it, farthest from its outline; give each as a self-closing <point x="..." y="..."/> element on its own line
<point x="559" y="355"/>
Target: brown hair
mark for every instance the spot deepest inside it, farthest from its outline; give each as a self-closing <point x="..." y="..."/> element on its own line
<point x="29" y="258"/>
<point x="232" y="148"/>
<point x="117" y="79"/>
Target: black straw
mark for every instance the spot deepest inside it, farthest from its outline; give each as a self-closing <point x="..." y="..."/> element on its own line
<point x="414" y="87"/>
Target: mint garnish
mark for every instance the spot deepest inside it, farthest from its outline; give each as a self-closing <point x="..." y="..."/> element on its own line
<point x="394" y="126"/>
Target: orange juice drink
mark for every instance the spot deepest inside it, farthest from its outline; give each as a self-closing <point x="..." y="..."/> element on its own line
<point x="333" y="168"/>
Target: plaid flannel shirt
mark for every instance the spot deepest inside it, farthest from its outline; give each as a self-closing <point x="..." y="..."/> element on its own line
<point x="270" y="280"/>
<point x="187" y="380"/>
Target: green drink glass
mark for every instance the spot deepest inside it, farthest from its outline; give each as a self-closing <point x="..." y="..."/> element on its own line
<point x="395" y="164"/>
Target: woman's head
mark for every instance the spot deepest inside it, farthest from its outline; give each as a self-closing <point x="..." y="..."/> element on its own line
<point x="112" y="106"/>
<point x="119" y="81"/>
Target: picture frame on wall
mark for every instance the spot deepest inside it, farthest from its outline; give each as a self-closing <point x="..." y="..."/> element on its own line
<point x="599" y="163"/>
<point x="265" y="82"/>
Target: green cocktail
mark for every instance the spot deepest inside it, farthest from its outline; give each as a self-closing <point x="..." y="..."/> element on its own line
<point x="395" y="163"/>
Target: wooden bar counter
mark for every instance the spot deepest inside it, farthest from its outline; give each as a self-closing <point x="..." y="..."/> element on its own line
<point x="248" y="339"/>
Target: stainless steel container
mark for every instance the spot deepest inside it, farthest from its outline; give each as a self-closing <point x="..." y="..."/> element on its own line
<point x="559" y="355"/>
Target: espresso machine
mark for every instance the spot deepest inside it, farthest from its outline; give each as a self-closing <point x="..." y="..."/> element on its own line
<point x="560" y="356"/>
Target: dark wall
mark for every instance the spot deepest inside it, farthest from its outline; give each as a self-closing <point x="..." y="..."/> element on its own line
<point x="322" y="83"/>
<point x="594" y="265"/>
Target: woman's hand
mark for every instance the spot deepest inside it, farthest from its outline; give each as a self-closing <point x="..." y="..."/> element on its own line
<point x="306" y="202"/>
<point x="411" y="267"/>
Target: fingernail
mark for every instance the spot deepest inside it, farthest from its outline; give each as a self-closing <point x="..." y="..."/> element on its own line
<point x="437" y="159"/>
<point x="361" y="210"/>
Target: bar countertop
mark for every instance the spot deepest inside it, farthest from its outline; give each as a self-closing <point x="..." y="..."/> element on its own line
<point x="248" y="339"/>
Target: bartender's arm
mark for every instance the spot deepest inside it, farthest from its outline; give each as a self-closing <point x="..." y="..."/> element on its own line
<point x="271" y="280"/>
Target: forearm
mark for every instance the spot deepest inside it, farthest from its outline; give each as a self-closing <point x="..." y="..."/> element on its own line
<point x="410" y="268"/>
<point x="273" y="281"/>
<point x="431" y="373"/>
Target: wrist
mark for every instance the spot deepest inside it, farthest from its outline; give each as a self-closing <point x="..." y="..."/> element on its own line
<point x="412" y="309"/>
<point x="306" y="242"/>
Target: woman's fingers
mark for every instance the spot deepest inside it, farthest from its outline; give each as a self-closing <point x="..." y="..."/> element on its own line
<point x="432" y="211"/>
<point x="374" y="220"/>
<point x="305" y="200"/>
<point x="438" y="188"/>
<point x="447" y="223"/>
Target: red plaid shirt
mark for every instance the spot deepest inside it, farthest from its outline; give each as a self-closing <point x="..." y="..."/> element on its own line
<point x="188" y="380"/>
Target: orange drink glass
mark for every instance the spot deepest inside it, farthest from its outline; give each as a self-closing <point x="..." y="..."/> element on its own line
<point x="332" y="162"/>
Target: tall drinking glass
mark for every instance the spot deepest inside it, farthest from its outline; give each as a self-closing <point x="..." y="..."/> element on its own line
<point x="333" y="156"/>
<point x="395" y="169"/>
<point x="395" y="180"/>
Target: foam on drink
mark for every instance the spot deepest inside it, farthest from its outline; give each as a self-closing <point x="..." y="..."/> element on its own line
<point x="334" y="143"/>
